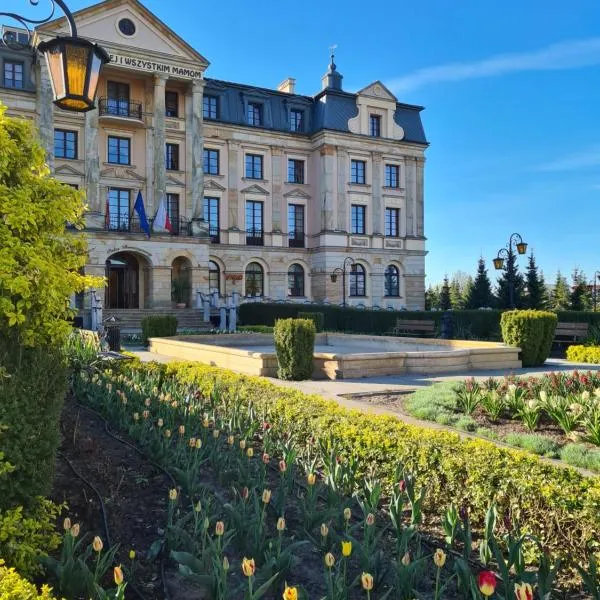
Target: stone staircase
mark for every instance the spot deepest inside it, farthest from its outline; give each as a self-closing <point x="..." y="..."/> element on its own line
<point x="130" y="320"/>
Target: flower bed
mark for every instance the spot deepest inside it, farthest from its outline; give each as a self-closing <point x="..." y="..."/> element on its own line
<point x="584" y="354"/>
<point x="168" y="408"/>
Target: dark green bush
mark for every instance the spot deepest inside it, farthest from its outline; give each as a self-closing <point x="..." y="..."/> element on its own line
<point x="294" y="344"/>
<point x="33" y="384"/>
<point x="530" y="330"/>
<point x="318" y="318"/>
<point x="158" y="326"/>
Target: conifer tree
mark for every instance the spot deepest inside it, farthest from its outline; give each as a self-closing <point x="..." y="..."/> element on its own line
<point x="445" y="301"/>
<point x="561" y="295"/>
<point x="480" y="294"/>
<point x="580" y="295"/>
<point x="535" y="294"/>
<point x="503" y="291"/>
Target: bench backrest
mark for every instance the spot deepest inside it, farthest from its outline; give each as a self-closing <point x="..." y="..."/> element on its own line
<point x="574" y="329"/>
<point x="415" y="325"/>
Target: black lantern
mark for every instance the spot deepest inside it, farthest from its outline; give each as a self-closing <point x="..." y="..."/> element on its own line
<point x="74" y="65"/>
<point x="521" y="247"/>
<point x="498" y="263"/>
<point x="333" y="277"/>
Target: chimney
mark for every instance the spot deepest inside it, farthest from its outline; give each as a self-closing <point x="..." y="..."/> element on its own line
<point x="287" y="86"/>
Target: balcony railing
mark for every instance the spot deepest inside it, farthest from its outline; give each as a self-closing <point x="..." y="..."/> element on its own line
<point x="296" y="239"/>
<point x="255" y="237"/>
<point x="131" y="224"/>
<point x="121" y="107"/>
<point x="215" y="236"/>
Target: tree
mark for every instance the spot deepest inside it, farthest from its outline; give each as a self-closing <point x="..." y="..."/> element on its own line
<point x="503" y="288"/>
<point x="432" y="298"/>
<point x="480" y="294"/>
<point x="40" y="261"/>
<point x="580" y="295"/>
<point x="560" y="298"/>
<point x="460" y="283"/>
<point x="535" y="294"/>
<point x="445" y="302"/>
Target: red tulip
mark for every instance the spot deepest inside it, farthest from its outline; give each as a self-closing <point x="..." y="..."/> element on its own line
<point x="486" y="581"/>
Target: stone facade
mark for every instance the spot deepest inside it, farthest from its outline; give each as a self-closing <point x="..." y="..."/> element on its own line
<point x="294" y="184"/>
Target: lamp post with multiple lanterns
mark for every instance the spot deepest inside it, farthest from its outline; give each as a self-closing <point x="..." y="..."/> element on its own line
<point x="74" y="63"/>
<point x="342" y="270"/>
<point x="507" y="254"/>
<point x="596" y="278"/>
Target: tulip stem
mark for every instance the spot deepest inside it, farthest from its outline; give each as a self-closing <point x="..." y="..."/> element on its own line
<point x="437" y="584"/>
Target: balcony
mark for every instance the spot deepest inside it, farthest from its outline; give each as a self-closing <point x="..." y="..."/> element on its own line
<point x="215" y="237"/>
<point x="296" y="239"/>
<point x="255" y="237"/>
<point x="131" y="224"/>
<point x="121" y="110"/>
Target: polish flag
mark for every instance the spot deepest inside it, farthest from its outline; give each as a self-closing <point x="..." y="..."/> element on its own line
<point x="161" y="220"/>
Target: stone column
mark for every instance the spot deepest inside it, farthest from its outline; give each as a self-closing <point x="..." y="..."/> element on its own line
<point x="160" y="284"/>
<point x="420" y="193"/>
<point x="149" y="195"/>
<point x="377" y="227"/>
<point x="45" y="111"/>
<point x="233" y="180"/>
<point x="342" y="184"/>
<point x="411" y="183"/>
<point x="160" y="174"/>
<point x="327" y="187"/>
<point x="195" y="147"/>
<point x="92" y="163"/>
<point x="277" y="174"/>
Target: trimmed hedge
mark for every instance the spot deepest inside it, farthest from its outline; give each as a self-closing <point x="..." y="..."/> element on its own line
<point x="32" y="391"/>
<point x="14" y="587"/>
<point x="295" y="346"/>
<point x="530" y="330"/>
<point x="559" y="505"/>
<point x="584" y="354"/>
<point x="318" y="318"/>
<point x="158" y="326"/>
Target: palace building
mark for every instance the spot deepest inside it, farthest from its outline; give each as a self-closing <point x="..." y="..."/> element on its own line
<point x="267" y="191"/>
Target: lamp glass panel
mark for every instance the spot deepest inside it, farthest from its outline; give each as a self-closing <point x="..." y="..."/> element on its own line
<point x="54" y="60"/>
<point x="95" y="65"/>
<point x="77" y="65"/>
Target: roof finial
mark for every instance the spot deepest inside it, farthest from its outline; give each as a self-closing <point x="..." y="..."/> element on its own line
<point x="332" y="56"/>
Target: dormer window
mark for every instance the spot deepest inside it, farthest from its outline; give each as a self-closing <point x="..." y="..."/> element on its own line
<point x="296" y="120"/>
<point x="375" y="126"/>
<point x="254" y="114"/>
<point x="210" y="107"/>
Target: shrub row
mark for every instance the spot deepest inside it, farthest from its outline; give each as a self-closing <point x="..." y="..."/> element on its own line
<point x="530" y="330"/>
<point x="158" y="326"/>
<point x="584" y="354"/>
<point x="466" y="324"/>
<point x="318" y="318"/>
<point x="14" y="587"/>
<point x="559" y="505"/>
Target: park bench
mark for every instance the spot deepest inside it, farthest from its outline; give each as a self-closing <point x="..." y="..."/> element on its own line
<point x="570" y="333"/>
<point x="414" y="328"/>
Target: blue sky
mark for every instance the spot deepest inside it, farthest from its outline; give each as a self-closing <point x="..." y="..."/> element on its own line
<point x="512" y="97"/>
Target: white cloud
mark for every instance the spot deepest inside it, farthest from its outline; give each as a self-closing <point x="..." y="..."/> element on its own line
<point x="573" y="162"/>
<point x="564" y="55"/>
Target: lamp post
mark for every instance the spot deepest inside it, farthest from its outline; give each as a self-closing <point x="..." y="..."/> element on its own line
<point x="342" y="270"/>
<point x="596" y="278"/>
<point x="507" y="254"/>
<point x="74" y="63"/>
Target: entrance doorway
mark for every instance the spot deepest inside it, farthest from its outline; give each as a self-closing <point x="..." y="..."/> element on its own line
<point x="126" y="278"/>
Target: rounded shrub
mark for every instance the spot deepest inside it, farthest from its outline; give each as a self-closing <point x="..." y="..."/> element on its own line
<point x="530" y="330"/>
<point x="294" y="344"/>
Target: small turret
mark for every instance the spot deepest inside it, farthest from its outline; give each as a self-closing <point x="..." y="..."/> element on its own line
<point x="332" y="80"/>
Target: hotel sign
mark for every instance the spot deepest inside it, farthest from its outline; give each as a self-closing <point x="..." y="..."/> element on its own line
<point x="150" y="66"/>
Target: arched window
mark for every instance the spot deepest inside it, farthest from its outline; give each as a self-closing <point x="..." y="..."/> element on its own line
<point x="255" y="280"/>
<point x="295" y="280"/>
<point x="392" y="281"/>
<point x="358" y="280"/>
<point x="214" y="277"/>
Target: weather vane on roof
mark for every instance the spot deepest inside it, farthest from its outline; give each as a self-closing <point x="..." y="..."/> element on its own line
<point x="332" y="53"/>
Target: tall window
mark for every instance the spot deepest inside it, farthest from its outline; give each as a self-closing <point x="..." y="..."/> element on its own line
<point x="211" y="216"/>
<point x="254" y="114"/>
<point x="13" y="74"/>
<point x="296" y="225"/>
<point x="65" y="143"/>
<point x="255" y="280"/>
<point x="171" y="104"/>
<point x="118" y="98"/>
<point x="118" y="209"/>
<point x="254" y="166"/>
<point x="357" y="171"/>
<point x="214" y="277"/>
<point x="173" y="211"/>
<point x="358" y="285"/>
<point x="210" y="108"/>
<point x="119" y="150"/>
<point x="295" y="280"/>
<point x="172" y="157"/>
<point x="211" y="161"/>
<point x="392" y="281"/>
<point x="392" y="218"/>
<point x="375" y="126"/>
<point x="358" y="219"/>
<point x="296" y="120"/>
<point x="392" y="176"/>
<point x="254" y="223"/>
<point x="295" y="171"/>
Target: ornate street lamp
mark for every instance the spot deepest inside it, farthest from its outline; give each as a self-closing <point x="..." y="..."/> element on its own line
<point x="74" y="63"/>
<point x="596" y="278"/>
<point x="342" y="270"/>
<point x="506" y="253"/>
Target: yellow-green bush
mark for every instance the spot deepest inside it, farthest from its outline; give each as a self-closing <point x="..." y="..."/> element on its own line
<point x="530" y="330"/>
<point x="584" y="354"/>
<point x="559" y="505"/>
<point x="294" y="345"/>
<point x="14" y="587"/>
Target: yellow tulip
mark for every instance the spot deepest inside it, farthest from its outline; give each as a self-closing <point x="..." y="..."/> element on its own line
<point x="242" y="444"/>
<point x="173" y="494"/>
<point x="225" y="564"/>
<point x="67" y="524"/>
<point x="324" y="530"/>
<point x="367" y="581"/>
<point x="523" y="591"/>
<point x="248" y="567"/>
<point x="290" y="593"/>
<point x="347" y="514"/>
<point x="250" y="453"/>
<point x="266" y="496"/>
<point x="346" y="548"/>
<point x="132" y="555"/>
<point x="198" y="444"/>
<point x="97" y="544"/>
<point x="118" y="574"/>
<point x="439" y="558"/>
<point x="329" y="560"/>
<point x="311" y="479"/>
<point x="280" y="524"/>
<point x="406" y="559"/>
<point x="75" y="530"/>
<point x="219" y="528"/>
